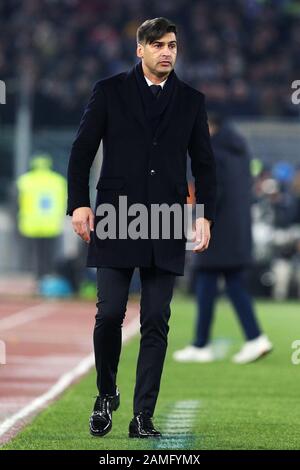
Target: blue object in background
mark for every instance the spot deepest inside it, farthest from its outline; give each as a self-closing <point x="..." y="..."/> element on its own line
<point x="54" y="286"/>
<point x="283" y="172"/>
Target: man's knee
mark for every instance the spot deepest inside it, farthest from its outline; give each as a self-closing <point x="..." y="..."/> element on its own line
<point x="156" y="319"/>
<point x="110" y="313"/>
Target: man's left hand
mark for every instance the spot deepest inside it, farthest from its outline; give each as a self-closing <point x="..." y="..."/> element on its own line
<point x="201" y="235"/>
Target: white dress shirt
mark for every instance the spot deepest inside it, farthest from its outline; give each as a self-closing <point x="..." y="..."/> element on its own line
<point x="150" y="83"/>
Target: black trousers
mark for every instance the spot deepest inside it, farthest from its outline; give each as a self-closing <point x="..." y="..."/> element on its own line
<point x="156" y="294"/>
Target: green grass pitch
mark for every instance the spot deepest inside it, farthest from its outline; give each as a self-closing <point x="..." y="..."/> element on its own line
<point x="253" y="406"/>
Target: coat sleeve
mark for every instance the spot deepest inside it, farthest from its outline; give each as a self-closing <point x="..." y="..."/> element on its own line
<point x="84" y="149"/>
<point x="203" y="163"/>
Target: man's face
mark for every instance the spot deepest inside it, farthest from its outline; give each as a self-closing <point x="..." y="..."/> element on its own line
<point x="159" y="56"/>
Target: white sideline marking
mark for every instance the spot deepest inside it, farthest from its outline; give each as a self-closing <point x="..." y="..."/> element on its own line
<point x="27" y="315"/>
<point x="64" y="382"/>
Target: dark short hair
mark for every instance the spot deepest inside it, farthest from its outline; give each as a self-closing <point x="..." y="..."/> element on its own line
<point x="152" y="30"/>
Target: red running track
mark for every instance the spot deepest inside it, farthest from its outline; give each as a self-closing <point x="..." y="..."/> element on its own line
<point x="48" y="347"/>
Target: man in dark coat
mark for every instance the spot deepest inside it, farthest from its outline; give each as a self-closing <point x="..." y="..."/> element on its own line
<point x="229" y="252"/>
<point x="148" y="119"/>
<point x="233" y="217"/>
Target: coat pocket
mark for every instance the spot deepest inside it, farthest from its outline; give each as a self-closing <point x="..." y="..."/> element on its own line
<point x="110" y="183"/>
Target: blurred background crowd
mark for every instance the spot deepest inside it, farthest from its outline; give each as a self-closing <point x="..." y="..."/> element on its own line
<point x="241" y="53"/>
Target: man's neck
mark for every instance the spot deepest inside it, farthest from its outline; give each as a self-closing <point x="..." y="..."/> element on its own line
<point x="153" y="78"/>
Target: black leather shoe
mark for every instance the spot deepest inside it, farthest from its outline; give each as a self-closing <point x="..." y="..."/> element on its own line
<point x="101" y="418"/>
<point x="141" y="426"/>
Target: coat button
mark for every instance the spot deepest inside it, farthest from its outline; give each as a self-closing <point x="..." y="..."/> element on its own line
<point x="154" y="142"/>
<point x="152" y="172"/>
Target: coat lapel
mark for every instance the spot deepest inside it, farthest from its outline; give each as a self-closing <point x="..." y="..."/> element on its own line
<point x="172" y="110"/>
<point x="133" y="101"/>
<point x="130" y="95"/>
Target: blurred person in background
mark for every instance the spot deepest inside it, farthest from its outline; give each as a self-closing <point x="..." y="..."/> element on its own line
<point x="42" y="196"/>
<point x="284" y="204"/>
<point x="296" y="192"/>
<point x="229" y="252"/>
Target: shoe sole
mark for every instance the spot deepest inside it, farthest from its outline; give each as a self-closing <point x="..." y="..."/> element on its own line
<point x="114" y="407"/>
<point x="134" y="435"/>
<point x="103" y="433"/>
<point x="262" y="355"/>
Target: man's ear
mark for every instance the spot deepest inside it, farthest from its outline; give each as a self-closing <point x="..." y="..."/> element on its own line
<point x="140" y="51"/>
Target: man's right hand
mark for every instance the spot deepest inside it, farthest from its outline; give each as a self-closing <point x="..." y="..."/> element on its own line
<point x="83" y="222"/>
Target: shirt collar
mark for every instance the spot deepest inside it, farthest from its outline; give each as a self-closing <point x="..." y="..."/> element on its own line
<point x="150" y="83"/>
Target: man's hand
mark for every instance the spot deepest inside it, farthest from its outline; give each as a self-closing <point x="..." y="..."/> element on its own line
<point x="83" y="222"/>
<point x="201" y="235"/>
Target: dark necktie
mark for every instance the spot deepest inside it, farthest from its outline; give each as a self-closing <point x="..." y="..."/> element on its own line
<point x="156" y="89"/>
